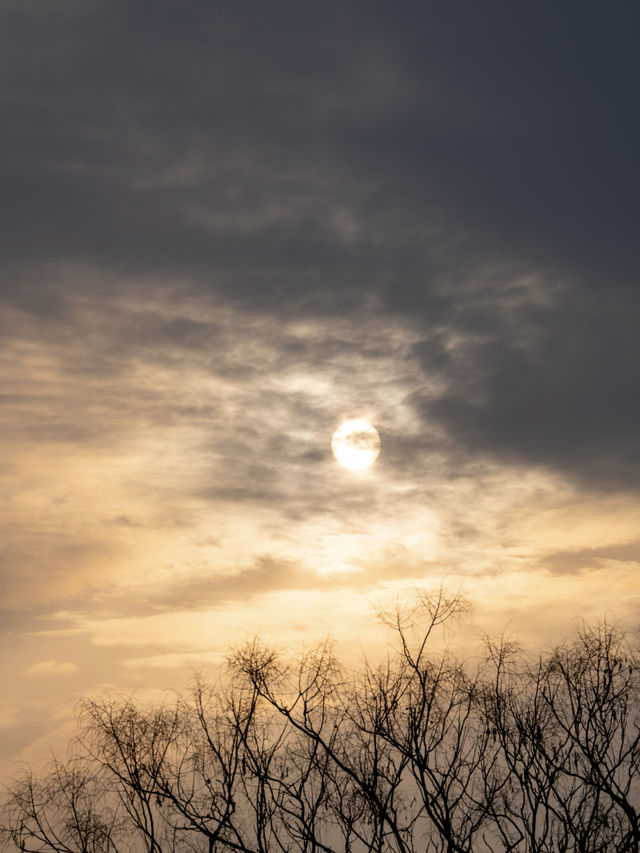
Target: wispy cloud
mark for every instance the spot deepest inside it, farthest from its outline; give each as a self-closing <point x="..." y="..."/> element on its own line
<point x="52" y="667"/>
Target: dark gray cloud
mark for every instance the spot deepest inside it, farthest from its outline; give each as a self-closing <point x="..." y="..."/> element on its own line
<point x="471" y="171"/>
<point x="555" y="389"/>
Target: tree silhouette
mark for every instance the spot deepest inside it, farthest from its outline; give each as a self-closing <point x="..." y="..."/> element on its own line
<point x="423" y="752"/>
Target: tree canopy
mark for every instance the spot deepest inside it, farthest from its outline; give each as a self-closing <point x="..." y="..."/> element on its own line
<point x="422" y="752"/>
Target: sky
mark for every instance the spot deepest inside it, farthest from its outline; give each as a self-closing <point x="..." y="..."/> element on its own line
<point x="226" y="228"/>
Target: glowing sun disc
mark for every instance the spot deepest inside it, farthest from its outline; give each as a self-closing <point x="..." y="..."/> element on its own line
<point x="356" y="445"/>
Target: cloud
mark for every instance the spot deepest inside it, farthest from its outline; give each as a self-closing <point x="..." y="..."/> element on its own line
<point x="543" y="382"/>
<point x="9" y="716"/>
<point x="227" y="228"/>
<point x="293" y="165"/>
<point x="582" y="559"/>
<point x="52" y="667"/>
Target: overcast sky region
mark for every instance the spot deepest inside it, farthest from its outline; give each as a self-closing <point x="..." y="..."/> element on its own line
<point x="228" y="227"/>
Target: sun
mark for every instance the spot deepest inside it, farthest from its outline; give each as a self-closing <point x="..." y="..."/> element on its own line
<point x="356" y="445"/>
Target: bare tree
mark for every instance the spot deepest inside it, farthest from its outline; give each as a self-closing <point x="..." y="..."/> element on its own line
<point x="404" y="740"/>
<point x="569" y="733"/>
<point x="432" y="718"/>
<point x="591" y="692"/>
<point x="177" y="771"/>
<point x="65" y="810"/>
<point x="422" y="752"/>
